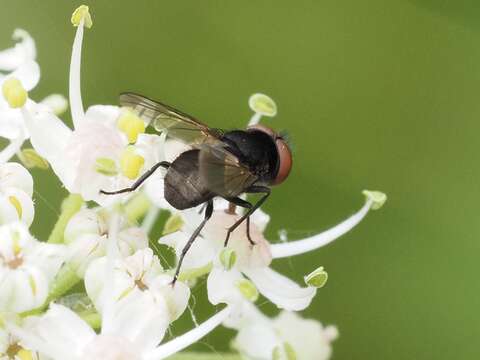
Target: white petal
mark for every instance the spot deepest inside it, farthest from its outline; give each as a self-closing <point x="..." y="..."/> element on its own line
<point x="15" y="175"/>
<point x="86" y="221"/>
<point x="24" y="50"/>
<point x="8" y="212"/>
<point x="11" y="124"/>
<point x="28" y="73"/>
<point x="308" y="337"/>
<point x="314" y="242"/>
<point x="106" y="114"/>
<point x="221" y="286"/>
<point x="56" y="103"/>
<point x="257" y="341"/>
<point x="49" y="137"/>
<point x="280" y="290"/>
<point x="25" y="201"/>
<point x="141" y="318"/>
<point x="60" y="332"/>
<point x="176" y="297"/>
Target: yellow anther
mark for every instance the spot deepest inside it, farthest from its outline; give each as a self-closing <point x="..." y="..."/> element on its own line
<point x="131" y="163"/>
<point x="18" y="206"/>
<point x="17" y="248"/>
<point x="14" y="92"/>
<point x="317" y="278"/>
<point x="131" y="125"/>
<point x="82" y="13"/>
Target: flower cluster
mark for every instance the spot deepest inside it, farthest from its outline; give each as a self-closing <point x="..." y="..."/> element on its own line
<point x="97" y="288"/>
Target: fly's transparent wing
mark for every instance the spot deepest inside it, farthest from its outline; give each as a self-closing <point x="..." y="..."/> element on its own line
<point x="222" y="171"/>
<point x="177" y="124"/>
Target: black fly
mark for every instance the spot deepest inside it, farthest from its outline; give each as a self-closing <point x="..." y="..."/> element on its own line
<point x="224" y="164"/>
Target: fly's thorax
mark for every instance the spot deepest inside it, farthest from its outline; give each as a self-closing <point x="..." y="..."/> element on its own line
<point x="257" y="150"/>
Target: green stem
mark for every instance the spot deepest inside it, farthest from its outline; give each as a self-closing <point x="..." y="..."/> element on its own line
<point x="70" y="206"/>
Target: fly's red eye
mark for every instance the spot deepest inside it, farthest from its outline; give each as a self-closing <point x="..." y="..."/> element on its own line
<point x="285" y="158"/>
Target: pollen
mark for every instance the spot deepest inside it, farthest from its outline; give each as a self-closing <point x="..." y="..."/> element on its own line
<point x="14" y="93"/>
<point x="131" y="163"/>
<point x="82" y="13"/>
<point x="131" y="125"/>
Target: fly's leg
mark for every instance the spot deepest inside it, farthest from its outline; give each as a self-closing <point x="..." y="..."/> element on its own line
<point x="140" y="180"/>
<point x="244" y="204"/>
<point x="252" y="190"/>
<point x="208" y="215"/>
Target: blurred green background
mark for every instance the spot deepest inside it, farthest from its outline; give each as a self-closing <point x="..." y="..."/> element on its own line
<point x="375" y="94"/>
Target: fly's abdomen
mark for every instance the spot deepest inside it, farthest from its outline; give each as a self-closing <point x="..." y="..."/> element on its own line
<point x="183" y="185"/>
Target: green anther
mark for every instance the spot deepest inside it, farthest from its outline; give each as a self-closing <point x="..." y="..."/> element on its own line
<point x="248" y="290"/>
<point x="317" y="278"/>
<point x="173" y="224"/>
<point x="263" y="104"/>
<point x="228" y="258"/>
<point x="192" y="274"/>
<point x="106" y="166"/>
<point x="284" y="352"/>
<point x="82" y="13"/>
<point x="31" y="159"/>
<point x="378" y="198"/>
<point x="14" y="93"/>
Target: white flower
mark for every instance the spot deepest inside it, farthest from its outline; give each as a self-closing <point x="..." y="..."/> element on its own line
<point x="227" y="283"/>
<point x="11" y="347"/>
<point x="16" y="188"/>
<point x="27" y="268"/>
<point x="96" y="154"/>
<point x="135" y="332"/>
<point x="86" y="235"/>
<point x="142" y="273"/>
<point x="287" y="336"/>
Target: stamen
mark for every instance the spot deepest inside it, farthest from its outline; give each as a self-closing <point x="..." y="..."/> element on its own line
<point x="374" y="201"/>
<point x="14" y="93"/>
<point x="228" y="258"/>
<point x="80" y="17"/>
<point x="131" y="163"/>
<point x="131" y="125"/>
<point x="248" y="289"/>
<point x="262" y="105"/>
<point x="317" y="278"/>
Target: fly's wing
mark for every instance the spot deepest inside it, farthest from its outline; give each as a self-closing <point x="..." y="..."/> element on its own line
<point x="223" y="172"/>
<point x="177" y="124"/>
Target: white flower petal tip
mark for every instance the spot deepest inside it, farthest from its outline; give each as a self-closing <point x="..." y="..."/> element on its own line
<point x="317" y="278"/>
<point x="14" y="93"/>
<point x="376" y="197"/>
<point x="57" y="103"/>
<point x="82" y="13"/>
<point x="263" y="105"/>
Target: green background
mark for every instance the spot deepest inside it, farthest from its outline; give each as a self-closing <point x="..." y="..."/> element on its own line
<point x="375" y="94"/>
